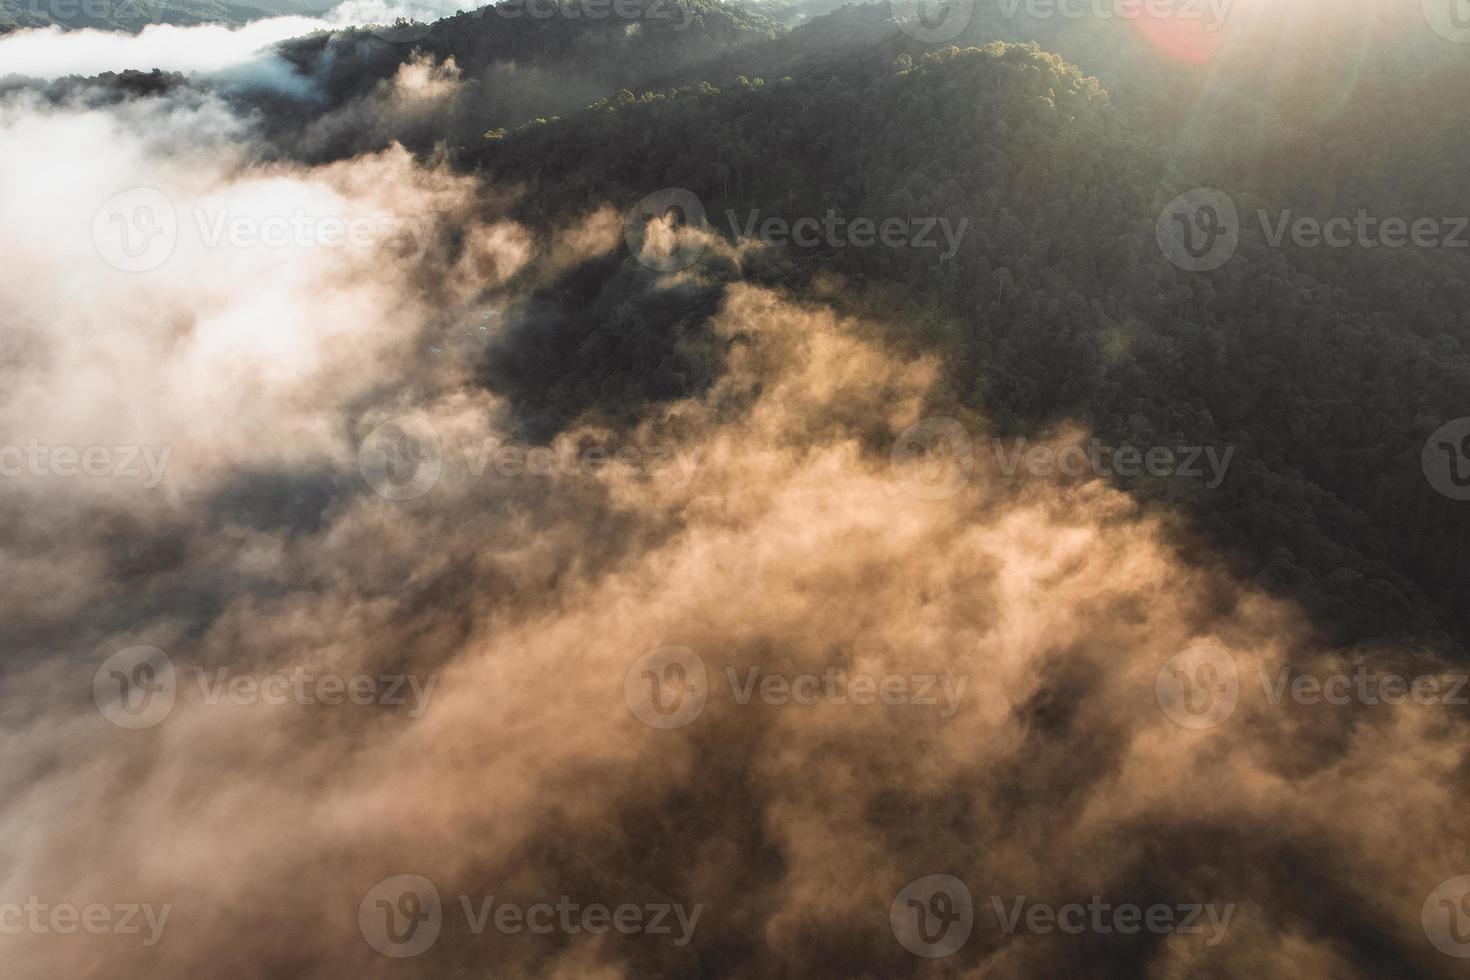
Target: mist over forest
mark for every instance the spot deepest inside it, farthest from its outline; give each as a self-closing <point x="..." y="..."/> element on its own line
<point x="679" y="488"/>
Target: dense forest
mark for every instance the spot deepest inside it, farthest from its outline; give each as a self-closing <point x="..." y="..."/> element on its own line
<point x="132" y="16"/>
<point x="1326" y="368"/>
<point x="516" y="457"/>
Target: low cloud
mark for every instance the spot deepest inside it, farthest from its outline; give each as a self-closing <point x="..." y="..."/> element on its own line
<point x="796" y="546"/>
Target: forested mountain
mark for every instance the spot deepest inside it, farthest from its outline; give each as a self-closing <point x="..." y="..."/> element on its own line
<point x="514" y="66"/>
<point x="1325" y="367"/>
<point x="1071" y="310"/>
<point x="132" y="16"/>
<point x="681" y="489"/>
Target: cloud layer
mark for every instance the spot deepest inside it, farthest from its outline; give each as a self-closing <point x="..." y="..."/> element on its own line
<point x="763" y="524"/>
